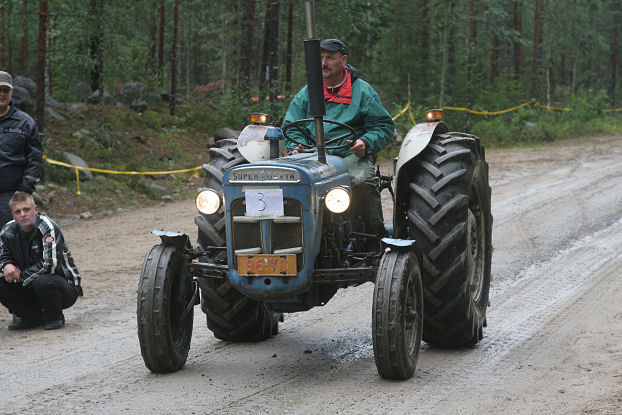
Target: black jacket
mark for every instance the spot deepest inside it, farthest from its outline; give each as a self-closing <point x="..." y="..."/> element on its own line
<point x="48" y="252"/>
<point x="20" y="152"/>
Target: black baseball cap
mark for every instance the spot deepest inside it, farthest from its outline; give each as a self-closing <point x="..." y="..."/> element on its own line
<point x="334" y="45"/>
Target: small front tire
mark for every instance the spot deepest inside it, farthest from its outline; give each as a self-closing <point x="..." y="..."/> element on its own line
<point x="397" y="315"/>
<point x="163" y="295"/>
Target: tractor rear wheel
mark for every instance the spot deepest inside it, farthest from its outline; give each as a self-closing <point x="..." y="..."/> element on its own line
<point x="230" y="315"/>
<point x="397" y="315"/>
<point x="449" y="216"/>
<point x="164" y="294"/>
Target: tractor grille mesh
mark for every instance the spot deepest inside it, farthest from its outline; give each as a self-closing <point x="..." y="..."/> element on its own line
<point x="282" y="235"/>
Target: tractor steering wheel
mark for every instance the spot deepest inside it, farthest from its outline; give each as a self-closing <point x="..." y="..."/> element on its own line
<point x="296" y="125"/>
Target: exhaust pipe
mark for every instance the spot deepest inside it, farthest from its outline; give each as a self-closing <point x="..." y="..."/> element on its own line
<point x="315" y="83"/>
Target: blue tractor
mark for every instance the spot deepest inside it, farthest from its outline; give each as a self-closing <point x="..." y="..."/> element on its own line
<point x="275" y="236"/>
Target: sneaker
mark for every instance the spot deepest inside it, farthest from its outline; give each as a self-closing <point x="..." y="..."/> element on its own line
<point x="23" y="323"/>
<point x="56" y="324"/>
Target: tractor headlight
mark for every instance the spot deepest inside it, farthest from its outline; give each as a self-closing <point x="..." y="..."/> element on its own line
<point x="208" y="202"/>
<point x="337" y="200"/>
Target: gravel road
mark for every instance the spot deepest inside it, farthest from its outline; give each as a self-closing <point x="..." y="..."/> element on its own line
<point x="553" y="343"/>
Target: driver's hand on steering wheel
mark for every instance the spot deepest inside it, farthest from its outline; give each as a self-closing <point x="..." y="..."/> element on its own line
<point x="358" y="148"/>
<point x="296" y="150"/>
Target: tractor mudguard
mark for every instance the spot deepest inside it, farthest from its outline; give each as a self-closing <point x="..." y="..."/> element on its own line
<point x="395" y="244"/>
<point x="416" y="140"/>
<point x="178" y="240"/>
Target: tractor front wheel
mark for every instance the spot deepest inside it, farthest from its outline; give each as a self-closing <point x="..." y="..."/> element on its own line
<point x="164" y="310"/>
<point x="397" y="315"/>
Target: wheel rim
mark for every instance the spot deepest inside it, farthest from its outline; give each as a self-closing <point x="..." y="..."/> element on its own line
<point x="410" y="317"/>
<point x="176" y="309"/>
<point x="476" y="246"/>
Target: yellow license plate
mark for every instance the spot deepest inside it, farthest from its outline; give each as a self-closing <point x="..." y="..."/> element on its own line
<point x="267" y="264"/>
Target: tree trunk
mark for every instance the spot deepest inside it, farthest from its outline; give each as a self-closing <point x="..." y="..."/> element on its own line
<point x="100" y="66"/>
<point x="94" y="45"/>
<point x="49" y="85"/>
<point x="614" y="54"/>
<point x="288" y="54"/>
<point x="424" y="47"/>
<point x="24" y="58"/>
<point x="41" y="52"/>
<point x="518" y="28"/>
<point x="174" y="58"/>
<point x="494" y="55"/>
<point x="549" y="54"/>
<point x="2" y="45"/>
<point x="444" y="48"/>
<point x="223" y="84"/>
<point x="151" y="59"/>
<point x="470" y="62"/>
<point x="161" y="43"/>
<point x="536" y="41"/>
<point x="246" y="51"/>
<point x="9" y="42"/>
<point x="273" y="57"/>
<point x="264" y="72"/>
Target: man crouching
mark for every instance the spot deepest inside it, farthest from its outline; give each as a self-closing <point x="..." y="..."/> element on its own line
<point x="40" y="276"/>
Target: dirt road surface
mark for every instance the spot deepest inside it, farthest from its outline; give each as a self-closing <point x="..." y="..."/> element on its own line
<point x="553" y="344"/>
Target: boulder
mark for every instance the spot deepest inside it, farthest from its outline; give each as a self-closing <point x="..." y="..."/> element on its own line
<point x="166" y="97"/>
<point x="51" y="113"/>
<point x="26" y="83"/>
<point x="131" y="92"/>
<point x="77" y="107"/>
<point x="139" y="106"/>
<point x="94" y="98"/>
<point x="54" y="103"/>
<point x="77" y="161"/>
<point x="21" y="99"/>
<point x="153" y="98"/>
<point x="81" y="91"/>
<point x="156" y="188"/>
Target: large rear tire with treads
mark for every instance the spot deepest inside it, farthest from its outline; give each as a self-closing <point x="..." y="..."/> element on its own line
<point x="449" y="216"/>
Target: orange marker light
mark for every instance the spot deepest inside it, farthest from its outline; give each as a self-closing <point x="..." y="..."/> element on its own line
<point x="434" y="115"/>
<point x="258" y="118"/>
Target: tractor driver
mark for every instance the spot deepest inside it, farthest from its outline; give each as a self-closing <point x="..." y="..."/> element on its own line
<point x="352" y="101"/>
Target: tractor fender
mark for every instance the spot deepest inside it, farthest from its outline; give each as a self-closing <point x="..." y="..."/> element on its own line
<point x="393" y="244"/>
<point x="178" y="240"/>
<point x="416" y="140"/>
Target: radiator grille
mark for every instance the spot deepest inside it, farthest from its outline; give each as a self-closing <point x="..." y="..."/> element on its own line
<point x="247" y="235"/>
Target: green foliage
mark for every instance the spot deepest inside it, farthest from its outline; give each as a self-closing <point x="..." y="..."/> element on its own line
<point x="153" y="119"/>
<point x="587" y="107"/>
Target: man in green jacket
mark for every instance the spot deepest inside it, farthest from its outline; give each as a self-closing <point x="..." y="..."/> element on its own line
<point x="351" y="101"/>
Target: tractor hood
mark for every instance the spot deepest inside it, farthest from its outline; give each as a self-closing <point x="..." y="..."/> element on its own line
<point x="296" y="169"/>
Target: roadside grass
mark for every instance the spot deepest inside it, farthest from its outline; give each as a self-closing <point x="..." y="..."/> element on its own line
<point x="129" y="141"/>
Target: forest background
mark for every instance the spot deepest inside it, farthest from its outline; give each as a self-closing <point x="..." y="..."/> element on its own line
<point x="554" y="64"/>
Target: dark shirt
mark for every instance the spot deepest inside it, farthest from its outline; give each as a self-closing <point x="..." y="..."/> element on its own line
<point x="22" y="243"/>
<point x="21" y="152"/>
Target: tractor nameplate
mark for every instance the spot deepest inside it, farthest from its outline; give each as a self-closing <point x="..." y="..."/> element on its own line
<point x="264" y="175"/>
<point x="267" y="264"/>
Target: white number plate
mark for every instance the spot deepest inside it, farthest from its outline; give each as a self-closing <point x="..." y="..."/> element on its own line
<point x="268" y="202"/>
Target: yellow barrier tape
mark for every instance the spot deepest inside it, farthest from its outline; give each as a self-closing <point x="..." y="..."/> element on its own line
<point x="532" y="101"/>
<point x="195" y="171"/>
<point x="487" y="113"/>
<point x="549" y="107"/>
<point x="408" y="108"/>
